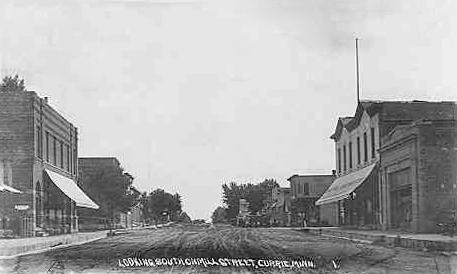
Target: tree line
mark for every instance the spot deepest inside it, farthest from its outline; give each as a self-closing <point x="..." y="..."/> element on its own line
<point x="160" y="206"/>
<point x="255" y="194"/>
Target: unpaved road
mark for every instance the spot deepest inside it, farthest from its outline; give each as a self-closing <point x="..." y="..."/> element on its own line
<point x="265" y="247"/>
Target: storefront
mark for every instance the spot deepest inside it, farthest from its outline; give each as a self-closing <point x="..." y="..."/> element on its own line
<point x="419" y="177"/>
<point x="56" y="203"/>
<point x="356" y="197"/>
<point x="401" y="199"/>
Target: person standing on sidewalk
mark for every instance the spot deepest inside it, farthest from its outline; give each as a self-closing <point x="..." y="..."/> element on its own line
<point x="304" y="221"/>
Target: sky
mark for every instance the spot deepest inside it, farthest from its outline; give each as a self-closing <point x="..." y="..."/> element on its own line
<point x="191" y="94"/>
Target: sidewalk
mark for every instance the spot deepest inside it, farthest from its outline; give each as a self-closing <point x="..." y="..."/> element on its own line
<point x="14" y="247"/>
<point x="431" y="242"/>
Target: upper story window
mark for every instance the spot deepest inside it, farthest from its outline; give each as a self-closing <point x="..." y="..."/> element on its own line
<point x="47" y="146"/>
<point x="358" y="150"/>
<point x="54" y="150"/>
<point x="344" y="158"/>
<point x="68" y="158"/>
<point x="71" y="161"/>
<point x="306" y="189"/>
<point x="339" y="160"/>
<point x="373" y="143"/>
<point x="75" y="161"/>
<point x="350" y="154"/>
<point x="61" y="154"/>
<point x="365" y="147"/>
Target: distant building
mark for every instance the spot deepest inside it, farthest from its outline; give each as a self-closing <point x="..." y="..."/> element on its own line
<point x="243" y="208"/>
<point x="419" y="175"/>
<point x="38" y="157"/>
<point x="243" y="212"/>
<point x="280" y="208"/>
<point x="306" y="190"/>
<point x="137" y="215"/>
<point x="357" y="189"/>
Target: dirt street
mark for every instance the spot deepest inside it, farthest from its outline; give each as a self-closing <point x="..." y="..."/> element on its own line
<point x="226" y="249"/>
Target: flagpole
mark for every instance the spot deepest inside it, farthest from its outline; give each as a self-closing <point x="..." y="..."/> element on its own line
<point x="357" y="68"/>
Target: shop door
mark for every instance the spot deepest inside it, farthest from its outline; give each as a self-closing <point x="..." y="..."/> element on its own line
<point x="401" y="208"/>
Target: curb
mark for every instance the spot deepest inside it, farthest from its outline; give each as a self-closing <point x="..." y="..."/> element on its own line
<point x="17" y="251"/>
<point x="393" y="240"/>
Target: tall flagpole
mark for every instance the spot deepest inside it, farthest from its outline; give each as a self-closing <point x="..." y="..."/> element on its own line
<point x="357" y="68"/>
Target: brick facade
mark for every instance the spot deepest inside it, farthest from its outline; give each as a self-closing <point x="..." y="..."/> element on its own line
<point x="373" y="121"/>
<point x="427" y="152"/>
<point x="25" y="121"/>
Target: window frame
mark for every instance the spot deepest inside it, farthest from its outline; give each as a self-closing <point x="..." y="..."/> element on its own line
<point x="359" y="156"/>
<point x="47" y="146"/>
<point x="373" y="143"/>
<point x="344" y="158"/>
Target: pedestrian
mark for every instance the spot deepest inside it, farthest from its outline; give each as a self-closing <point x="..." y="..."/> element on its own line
<point x="304" y="221"/>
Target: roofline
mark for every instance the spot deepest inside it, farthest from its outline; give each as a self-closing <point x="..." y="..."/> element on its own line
<point x="43" y="100"/>
<point x="100" y="158"/>
<point x="92" y="158"/>
<point x="317" y="175"/>
<point x="373" y="103"/>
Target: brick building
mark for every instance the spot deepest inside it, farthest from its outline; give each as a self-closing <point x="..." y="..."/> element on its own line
<point x="419" y="182"/>
<point x="357" y="189"/>
<point x="38" y="156"/>
<point x="306" y="190"/>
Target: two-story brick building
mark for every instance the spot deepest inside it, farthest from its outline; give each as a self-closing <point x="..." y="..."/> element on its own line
<point x="357" y="189"/>
<point x="38" y="156"/>
<point x="306" y="190"/>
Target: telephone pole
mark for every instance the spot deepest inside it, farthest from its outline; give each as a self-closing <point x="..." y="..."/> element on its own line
<point x="357" y="68"/>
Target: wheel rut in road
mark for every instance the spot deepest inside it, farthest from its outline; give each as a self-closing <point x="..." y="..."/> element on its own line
<point x="189" y="241"/>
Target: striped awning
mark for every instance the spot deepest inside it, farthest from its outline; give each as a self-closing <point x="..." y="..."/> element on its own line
<point x="343" y="186"/>
<point x="71" y="190"/>
<point x="4" y="187"/>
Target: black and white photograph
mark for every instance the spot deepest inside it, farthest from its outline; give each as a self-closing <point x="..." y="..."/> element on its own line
<point x="228" y="136"/>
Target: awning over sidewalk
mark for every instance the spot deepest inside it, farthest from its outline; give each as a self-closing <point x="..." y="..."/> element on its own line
<point x="4" y="187"/>
<point x="345" y="185"/>
<point x="71" y="189"/>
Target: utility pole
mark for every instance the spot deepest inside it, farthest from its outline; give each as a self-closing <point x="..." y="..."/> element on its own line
<point x="357" y="68"/>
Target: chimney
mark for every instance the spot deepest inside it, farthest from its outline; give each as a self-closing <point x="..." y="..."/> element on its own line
<point x="46" y="100"/>
<point x="334" y="172"/>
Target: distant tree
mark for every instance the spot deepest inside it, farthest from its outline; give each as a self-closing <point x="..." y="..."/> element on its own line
<point x="219" y="215"/>
<point x="111" y="189"/>
<point x="163" y="206"/>
<point x="13" y="84"/>
<point x="255" y="194"/>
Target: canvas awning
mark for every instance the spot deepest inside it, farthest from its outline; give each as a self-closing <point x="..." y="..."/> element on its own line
<point x="71" y="189"/>
<point x="4" y="187"/>
<point x="343" y="186"/>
